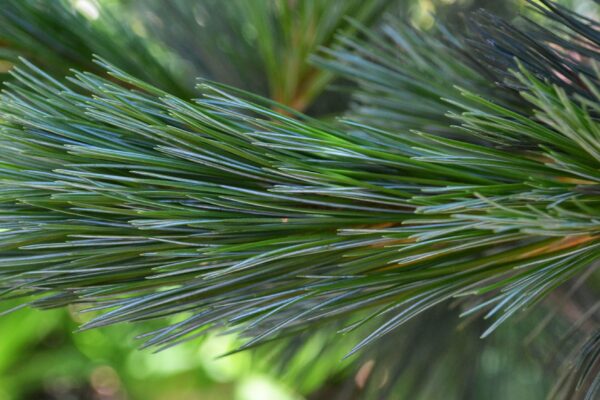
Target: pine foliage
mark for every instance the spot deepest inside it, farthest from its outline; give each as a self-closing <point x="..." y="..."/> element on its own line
<point x="467" y="171"/>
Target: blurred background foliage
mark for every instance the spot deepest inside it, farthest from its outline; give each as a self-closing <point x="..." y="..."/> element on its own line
<point x="43" y="357"/>
<point x="170" y="43"/>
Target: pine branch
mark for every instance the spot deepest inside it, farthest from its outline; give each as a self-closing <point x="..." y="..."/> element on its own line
<point x="554" y="44"/>
<point x="237" y="212"/>
<point x="403" y="75"/>
<point x="261" y="46"/>
<point x="149" y="205"/>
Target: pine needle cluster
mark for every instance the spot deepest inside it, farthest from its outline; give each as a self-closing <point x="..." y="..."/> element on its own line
<point x="466" y="169"/>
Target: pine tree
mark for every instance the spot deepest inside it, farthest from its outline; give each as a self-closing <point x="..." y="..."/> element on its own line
<point x="463" y="172"/>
